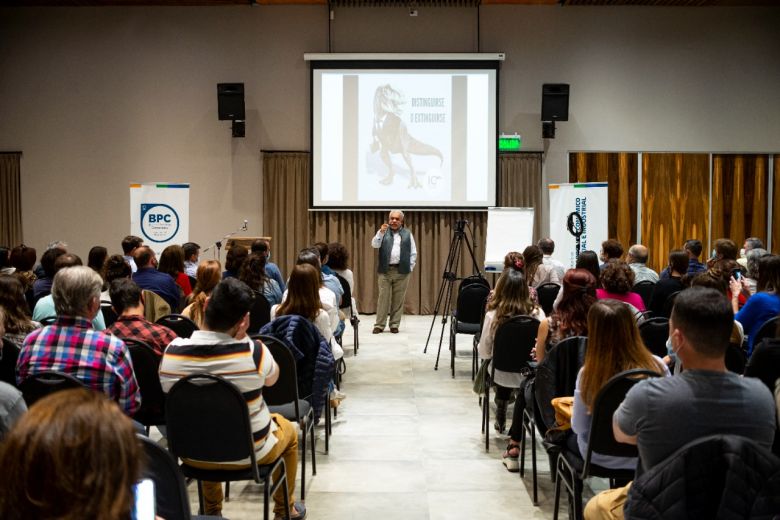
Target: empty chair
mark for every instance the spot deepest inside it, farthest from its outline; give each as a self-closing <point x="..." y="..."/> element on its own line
<point x="655" y="332"/>
<point x="547" y="292"/>
<point x="181" y="325"/>
<point x="467" y="317"/>
<point x="38" y="386"/>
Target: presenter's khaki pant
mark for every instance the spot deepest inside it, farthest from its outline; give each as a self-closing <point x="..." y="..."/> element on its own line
<point x="392" y="292"/>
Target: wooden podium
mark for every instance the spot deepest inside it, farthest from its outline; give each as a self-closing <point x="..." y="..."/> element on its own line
<point x="244" y="241"/>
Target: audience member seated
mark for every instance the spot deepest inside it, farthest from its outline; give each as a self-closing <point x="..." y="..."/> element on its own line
<point x="751" y="275"/>
<point x="661" y="415"/>
<point x="723" y="249"/>
<point x="42" y="285"/>
<point x="330" y="281"/>
<point x="46" y="308"/>
<point x="589" y="261"/>
<point x="12" y="406"/>
<point x="578" y="293"/>
<point x="191" y="255"/>
<point x="5" y="261"/>
<point x="547" y="245"/>
<point x="262" y="247"/>
<point x="16" y="321"/>
<point x="750" y="244"/>
<point x="233" y="260"/>
<point x="128" y="303"/>
<point x="73" y="455"/>
<point x="148" y="277"/>
<point x="100" y="361"/>
<point x="22" y="259"/>
<point x="209" y="274"/>
<point x="762" y="306"/>
<point x="129" y="246"/>
<point x="610" y="250"/>
<point x="510" y="299"/>
<point x="516" y="261"/>
<point x="223" y="348"/>
<point x="330" y="301"/>
<point x="637" y="261"/>
<point x="678" y="267"/>
<point x="253" y="274"/>
<point x="617" y="279"/>
<point x="96" y="258"/>
<point x="303" y="298"/>
<point x="338" y="258"/>
<point x="614" y="345"/>
<point x="536" y="271"/>
<point x="114" y="268"/>
<point x="172" y="264"/>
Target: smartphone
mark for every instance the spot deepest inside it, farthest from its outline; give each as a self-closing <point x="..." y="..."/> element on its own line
<point x="737" y="275"/>
<point x="144" y="508"/>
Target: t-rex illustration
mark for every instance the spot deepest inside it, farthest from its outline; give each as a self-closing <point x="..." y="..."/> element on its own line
<point x="391" y="136"/>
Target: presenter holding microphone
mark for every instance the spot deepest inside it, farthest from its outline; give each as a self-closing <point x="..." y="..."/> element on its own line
<point x="397" y="256"/>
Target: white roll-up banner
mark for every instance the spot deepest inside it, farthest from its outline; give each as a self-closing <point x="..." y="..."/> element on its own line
<point x="578" y="211"/>
<point x="160" y="213"/>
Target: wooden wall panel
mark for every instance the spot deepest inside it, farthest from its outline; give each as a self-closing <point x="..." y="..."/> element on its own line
<point x="619" y="170"/>
<point x="675" y="202"/>
<point x="739" y="196"/>
<point x="776" y="207"/>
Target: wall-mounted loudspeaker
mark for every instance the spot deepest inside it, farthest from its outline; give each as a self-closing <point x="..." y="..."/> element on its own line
<point x="230" y="97"/>
<point x="555" y="102"/>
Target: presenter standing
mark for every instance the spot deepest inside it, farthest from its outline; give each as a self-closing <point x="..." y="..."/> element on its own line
<point x="397" y="256"/>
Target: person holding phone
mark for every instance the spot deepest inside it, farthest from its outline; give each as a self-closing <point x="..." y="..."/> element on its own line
<point x="397" y="257"/>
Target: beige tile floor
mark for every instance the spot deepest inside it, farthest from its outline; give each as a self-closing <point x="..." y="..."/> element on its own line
<point x="407" y="442"/>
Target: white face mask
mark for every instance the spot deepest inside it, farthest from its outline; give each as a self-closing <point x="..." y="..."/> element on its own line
<point x="742" y="253"/>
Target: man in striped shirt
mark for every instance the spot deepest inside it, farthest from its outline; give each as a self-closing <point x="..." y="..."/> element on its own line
<point x="70" y="345"/>
<point x="223" y="348"/>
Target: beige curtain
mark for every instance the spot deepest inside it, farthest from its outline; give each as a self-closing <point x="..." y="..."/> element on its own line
<point x="292" y="227"/>
<point x="10" y="199"/>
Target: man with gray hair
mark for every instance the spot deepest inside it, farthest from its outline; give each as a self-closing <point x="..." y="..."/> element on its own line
<point x="637" y="258"/>
<point x="70" y="345"/>
<point x="397" y="256"/>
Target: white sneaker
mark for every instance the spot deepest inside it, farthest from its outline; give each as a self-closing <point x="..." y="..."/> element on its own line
<point x="337" y="394"/>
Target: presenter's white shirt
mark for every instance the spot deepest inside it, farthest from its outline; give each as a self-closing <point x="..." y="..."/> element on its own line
<point x="395" y="252"/>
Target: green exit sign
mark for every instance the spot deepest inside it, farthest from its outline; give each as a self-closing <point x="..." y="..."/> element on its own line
<point x="509" y="143"/>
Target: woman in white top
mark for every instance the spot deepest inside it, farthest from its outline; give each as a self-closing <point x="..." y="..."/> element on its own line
<point x="510" y="299"/>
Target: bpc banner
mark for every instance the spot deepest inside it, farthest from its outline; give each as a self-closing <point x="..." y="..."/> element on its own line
<point x="578" y="218"/>
<point x="160" y="213"/>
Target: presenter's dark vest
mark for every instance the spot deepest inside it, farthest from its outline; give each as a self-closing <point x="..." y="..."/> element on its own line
<point x="405" y="265"/>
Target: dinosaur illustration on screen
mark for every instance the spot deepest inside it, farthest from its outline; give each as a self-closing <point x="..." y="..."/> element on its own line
<point x="390" y="135"/>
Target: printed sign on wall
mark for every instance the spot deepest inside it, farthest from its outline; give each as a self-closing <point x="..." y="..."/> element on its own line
<point x="160" y="213"/>
<point x="578" y="219"/>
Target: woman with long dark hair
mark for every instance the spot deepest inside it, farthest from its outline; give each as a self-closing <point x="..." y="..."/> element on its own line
<point x="172" y="263"/>
<point x="253" y="274"/>
<point x="16" y="321"/>
<point x="536" y="272"/>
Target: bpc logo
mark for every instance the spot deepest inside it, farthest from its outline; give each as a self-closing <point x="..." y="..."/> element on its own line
<point x="159" y="222"/>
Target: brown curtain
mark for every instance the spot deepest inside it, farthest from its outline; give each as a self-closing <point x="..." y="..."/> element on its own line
<point x="675" y="202"/>
<point x="619" y="171"/>
<point x="10" y="199"/>
<point x="292" y="226"/>
<point x="739" y="196"/>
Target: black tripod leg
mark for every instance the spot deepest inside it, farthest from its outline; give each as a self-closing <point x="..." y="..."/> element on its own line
<point x="445" y="281"/>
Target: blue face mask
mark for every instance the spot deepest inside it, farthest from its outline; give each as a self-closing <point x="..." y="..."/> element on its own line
<point x="268" y="258"/>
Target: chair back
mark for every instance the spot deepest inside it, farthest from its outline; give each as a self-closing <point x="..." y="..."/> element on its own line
<point x="764" y="363"/>
<point x="655" y="332"/>
<point x="736" y="359"/>
<point x="767" y="330"/>
<point x="208" y="420"/>
<point x="285" y="390"/>
<point x="38" y="386"/>
<point x="260" y="313"/>
<point x="556" y="375"/>
<point x="346" y="297"/>
<point x="602" y="439"/>
<point x="146" y="365"/>
<point x="513" y="343"/>
<point x="471" y="302"/>
<point x="547" y="293"/>
<point x="645" y="290"/>
<point x="669" y="304"/>
<point x="181" y="325"/>
<point x="8" y="357"/>
<point x="109" y="316"/>
<point x="170" y="491"/>
<point x="475" y="279"/>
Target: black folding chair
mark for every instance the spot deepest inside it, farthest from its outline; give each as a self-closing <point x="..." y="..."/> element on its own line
<point x="38" y="386"/>
<point x="208" y="420"/>
<point x="547" y="292"/>
<point x="655" y="332"/>
<point x="669" y="304"/>
<point x="345" y="305"/>
<point x="766" y="330"/>
<point x="467" y="316"/>
<point x="512" y="347"/>
<point x="109" y="316"/>
<point x="8" y="357"/>
<point x="645" y="289"/>
<point x="181" y="325"/>
<point x="259" y="314"/>
<point x="573" y="469"/>
<point x="282" y="398"/>
<point x="146" y="365"/>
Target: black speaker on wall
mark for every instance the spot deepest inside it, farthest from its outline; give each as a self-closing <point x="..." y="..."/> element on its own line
<point x="230" y="98"/>
<point x="555" y="102"/>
